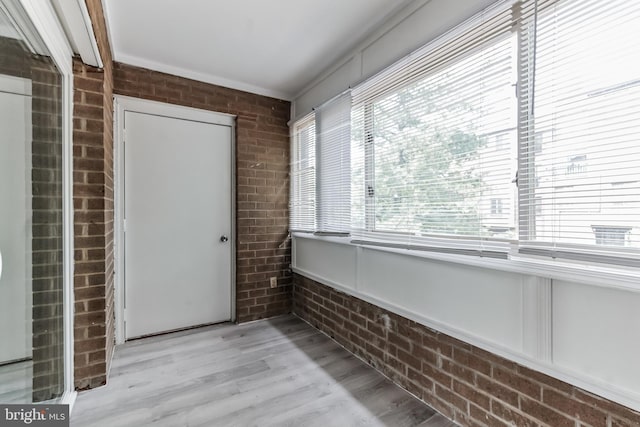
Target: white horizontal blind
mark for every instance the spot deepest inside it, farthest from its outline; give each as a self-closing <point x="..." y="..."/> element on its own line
<point x="580" y="130"/>
<point x="438" y="139"/>
<point x="302" y="200"/>
<point x="495" y="21"/>
<point x="333" y="154"/>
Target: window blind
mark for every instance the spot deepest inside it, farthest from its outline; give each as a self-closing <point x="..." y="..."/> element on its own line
<point x="438" y="141"/>
<point x="493" y="22"/>
<point x="579" y="114"/>
<point x="302" y="199"/>
<point x="333" y="155"/>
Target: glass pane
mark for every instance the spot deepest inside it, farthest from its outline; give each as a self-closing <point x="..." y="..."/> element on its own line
<point x="303" y="178"/>
<point x="444" y="149"/>
<point x="31" y="235"/>
<point x="587" y="122"/>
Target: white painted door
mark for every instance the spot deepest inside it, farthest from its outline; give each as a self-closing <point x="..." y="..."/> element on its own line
<point x="177" y="205"/>
<point x="15" y="219"/>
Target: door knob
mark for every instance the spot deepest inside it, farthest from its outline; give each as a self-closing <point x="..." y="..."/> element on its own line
<point x="224" y="238"/>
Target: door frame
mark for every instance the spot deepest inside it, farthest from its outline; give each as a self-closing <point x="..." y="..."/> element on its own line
<point x="122" y="104"/>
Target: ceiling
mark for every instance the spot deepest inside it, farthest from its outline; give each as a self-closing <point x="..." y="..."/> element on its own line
<point x="272" y="48"/>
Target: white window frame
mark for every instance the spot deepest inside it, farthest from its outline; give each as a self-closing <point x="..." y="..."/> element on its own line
<point x="40" y="16"/>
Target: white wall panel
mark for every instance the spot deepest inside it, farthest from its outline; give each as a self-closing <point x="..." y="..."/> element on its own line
<point x="330" y="261"/>
<point x="424" y="25"/>
<point x="485" y="303"/>
<point x="595" y="333"/>
<point x="336" y="82"/>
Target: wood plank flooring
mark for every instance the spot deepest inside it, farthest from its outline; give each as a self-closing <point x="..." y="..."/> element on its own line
<point x="277" y="372"/>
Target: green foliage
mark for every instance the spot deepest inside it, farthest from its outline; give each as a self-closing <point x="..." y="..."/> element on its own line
<point x="425" y="164"/>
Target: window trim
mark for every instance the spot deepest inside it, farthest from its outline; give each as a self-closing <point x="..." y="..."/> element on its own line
<point x="605" y="276"/>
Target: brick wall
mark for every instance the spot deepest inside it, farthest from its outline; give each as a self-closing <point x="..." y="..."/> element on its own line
<point x="467" y="384"/>
<point x="93" y="217"/>
<point x="99" y="24"/>
<point x="46" y="223"/>
<point x="47" y="230"/>
<point x="13" y="59"/>
<point x="262" y="174"/>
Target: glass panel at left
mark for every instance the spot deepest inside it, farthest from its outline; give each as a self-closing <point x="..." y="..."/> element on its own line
<point x="31" y="221"/>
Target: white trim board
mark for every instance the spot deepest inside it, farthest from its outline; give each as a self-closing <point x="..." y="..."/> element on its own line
<point x="78" y="26"/>
<point x="15" y="85"/>
<point x="124" y="104"/>
<point x="626" y="279"/>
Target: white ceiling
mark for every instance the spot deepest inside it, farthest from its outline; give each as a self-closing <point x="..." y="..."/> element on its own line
<point x="269" y="47"/>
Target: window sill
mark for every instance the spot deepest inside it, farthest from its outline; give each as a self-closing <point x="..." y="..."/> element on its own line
<point x="627" y="279"/>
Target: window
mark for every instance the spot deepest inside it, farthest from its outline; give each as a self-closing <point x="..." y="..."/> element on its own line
<point x="584" y="84"/>
<point x="611" y="235"/>
<point x="576" y="164"/>
<point x="431" y="162"/>
<point x="496" y="206"/>
<point x="439" y="139"/>
<point x="303" y="176"/>
<point x="514" y="132"/>
<point x="333" y="126"/>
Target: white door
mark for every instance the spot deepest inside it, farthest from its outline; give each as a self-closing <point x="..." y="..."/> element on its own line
<point x="177" y="207"/>
<point x="15" y="219"/>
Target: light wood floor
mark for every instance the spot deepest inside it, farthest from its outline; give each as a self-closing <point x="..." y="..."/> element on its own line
<point x="278" y="372"/>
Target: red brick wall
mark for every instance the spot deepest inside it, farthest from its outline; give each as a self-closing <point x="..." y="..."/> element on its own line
<point x="99" y="24"/>
<point x="93" y="217"/>
<point x="262" y="174"/>
<point x="463" y="382"/>
<point x="47" y="243"/>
